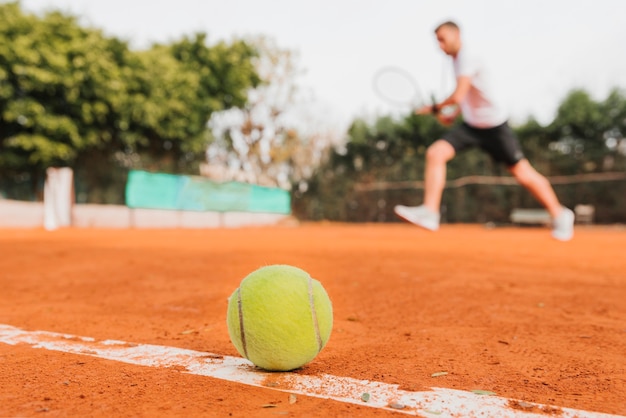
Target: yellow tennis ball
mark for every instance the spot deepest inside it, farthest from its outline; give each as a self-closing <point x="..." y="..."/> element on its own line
<point x="279" y="318"/>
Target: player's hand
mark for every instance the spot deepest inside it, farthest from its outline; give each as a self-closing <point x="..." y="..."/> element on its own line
<point x="446" y="120"/>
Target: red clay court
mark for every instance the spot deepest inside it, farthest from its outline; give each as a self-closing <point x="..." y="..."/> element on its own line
<point x="505" y="310"/>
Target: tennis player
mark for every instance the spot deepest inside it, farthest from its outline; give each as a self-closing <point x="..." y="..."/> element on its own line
<point x="484" y="125"/>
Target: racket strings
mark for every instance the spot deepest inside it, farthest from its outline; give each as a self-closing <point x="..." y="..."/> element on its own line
<point x="397" y="87"/>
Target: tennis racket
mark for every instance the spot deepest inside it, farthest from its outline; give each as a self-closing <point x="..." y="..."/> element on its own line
<point x="398" y="88"/>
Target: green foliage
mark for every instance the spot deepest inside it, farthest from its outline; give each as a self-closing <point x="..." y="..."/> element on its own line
<point x="385" y="150"/>
<point x="40" y="123"/>
<point x="585" y="137"/>
<point x="71" y="96"/>
<point x="225" y="71"/>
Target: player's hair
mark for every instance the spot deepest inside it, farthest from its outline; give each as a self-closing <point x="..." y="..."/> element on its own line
<point x="448" y="24"/>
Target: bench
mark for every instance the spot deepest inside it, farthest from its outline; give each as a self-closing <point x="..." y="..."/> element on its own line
<point x="530" y="217"/>
<point x="584" y="213"/>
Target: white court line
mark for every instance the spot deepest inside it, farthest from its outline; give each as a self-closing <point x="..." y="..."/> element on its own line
<point x="438" y="402"/>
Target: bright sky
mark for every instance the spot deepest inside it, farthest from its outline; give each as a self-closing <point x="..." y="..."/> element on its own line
<point x="539" y="49"/>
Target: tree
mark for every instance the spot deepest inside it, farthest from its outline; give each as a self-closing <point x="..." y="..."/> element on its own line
<point x="384" y="150"/>
<point x="585" y="137"/>
<point x="224" y="72"/>
<point x="72" y="96"/>
<point x="585" y="130"/>
<point x="57" y="81"/>
<point x="261" y="142"/>
<point x="588" y="137"/>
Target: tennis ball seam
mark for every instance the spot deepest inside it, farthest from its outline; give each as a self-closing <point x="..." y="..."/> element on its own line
<point x="242" y="331"/>
<point x="316" y="325"/>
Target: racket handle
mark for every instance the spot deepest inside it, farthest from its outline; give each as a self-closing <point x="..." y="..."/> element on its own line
<point x="435" y="108"/>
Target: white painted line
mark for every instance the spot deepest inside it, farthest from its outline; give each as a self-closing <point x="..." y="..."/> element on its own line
<point x="438" y="402"/>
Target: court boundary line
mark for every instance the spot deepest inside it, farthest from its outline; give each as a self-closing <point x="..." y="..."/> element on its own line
<point x="439" y="402"/>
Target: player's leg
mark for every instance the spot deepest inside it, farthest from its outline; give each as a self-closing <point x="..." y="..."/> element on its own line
<point x="537" y="185"/>
<point x="502" y="144"/>
<point x="541" y="189"/>
<point x="427" y="215"/>
<point x="437" y="157"/>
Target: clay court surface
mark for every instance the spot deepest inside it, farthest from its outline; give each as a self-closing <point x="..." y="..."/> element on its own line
<point x="506" y="310"/>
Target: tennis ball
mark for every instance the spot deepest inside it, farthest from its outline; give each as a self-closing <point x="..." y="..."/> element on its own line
<point x="279" y="318"/>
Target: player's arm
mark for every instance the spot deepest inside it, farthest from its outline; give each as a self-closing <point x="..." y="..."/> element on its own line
<point x="463" y="85"/>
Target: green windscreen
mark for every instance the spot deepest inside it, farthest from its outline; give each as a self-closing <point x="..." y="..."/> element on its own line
<point x="194" y="193"/>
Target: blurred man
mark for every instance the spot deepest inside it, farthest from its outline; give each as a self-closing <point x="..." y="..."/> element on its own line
<point x="484" y="125"/>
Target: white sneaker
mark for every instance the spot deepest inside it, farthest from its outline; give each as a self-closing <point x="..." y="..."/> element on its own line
<point x="563" y="225"/>
<point x="418" y="215"/>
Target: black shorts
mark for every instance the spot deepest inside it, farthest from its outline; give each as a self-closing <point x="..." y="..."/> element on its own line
<point x="500" y="142"/>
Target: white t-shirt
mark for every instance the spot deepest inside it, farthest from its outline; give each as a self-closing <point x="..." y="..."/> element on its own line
<point x="480" y="108"/>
